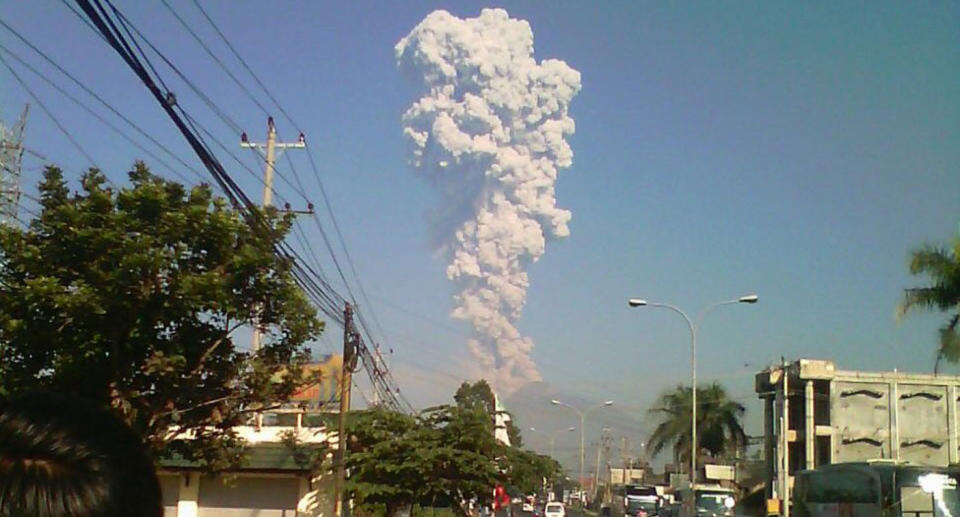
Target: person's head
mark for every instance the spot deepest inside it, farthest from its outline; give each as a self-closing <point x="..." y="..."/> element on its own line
<point x="63" y="456"/>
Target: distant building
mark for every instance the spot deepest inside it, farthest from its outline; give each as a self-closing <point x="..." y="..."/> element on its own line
<point x="273" y="481"/>
<point x="627" y="476"/>
<point x="324" y="390"/>
<point x="835" y="416"/>
<point x="500" y="419"/>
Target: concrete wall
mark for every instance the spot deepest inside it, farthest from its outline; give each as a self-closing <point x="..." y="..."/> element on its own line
<point x="170" y="489"/>
<point x="840" y="416"/>
<point x="893" y="418"/>
<point x="247" y="496"/>
<point x="190" y="494"/>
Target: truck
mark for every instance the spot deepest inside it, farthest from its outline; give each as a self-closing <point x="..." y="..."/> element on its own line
<point x="706" y="500"/>
<point x="640" y="500"/>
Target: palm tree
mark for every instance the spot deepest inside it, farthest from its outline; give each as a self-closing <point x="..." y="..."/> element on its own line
<point x="942" y="267"/>
<point x="718" y="422"/>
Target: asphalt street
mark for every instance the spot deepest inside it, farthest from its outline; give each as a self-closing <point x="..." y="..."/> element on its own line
<point x="570" y="512"/>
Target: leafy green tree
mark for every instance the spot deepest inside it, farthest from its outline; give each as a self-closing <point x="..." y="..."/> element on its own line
<point x="447" y="456"/>
<point x="942" y="267"/>
<point x="479" y="395"/>
<point x="385" y="460"/>
<point x="528" y="472"/>
<point x="719" y="427"/>
<point x="132" y="297"/>
<point x="444" y="457"/>
<point x="465" y="457"/>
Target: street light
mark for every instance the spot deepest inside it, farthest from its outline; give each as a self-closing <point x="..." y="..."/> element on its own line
<point x="583" y="416"/>
<point x="553" y="435"/>
<point x="639" y="302"/>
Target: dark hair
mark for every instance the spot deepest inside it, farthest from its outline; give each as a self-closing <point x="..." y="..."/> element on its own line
<point x="62" y="456"/>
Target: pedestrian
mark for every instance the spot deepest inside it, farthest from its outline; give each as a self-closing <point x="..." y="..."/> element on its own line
<point x="63" y="456"/>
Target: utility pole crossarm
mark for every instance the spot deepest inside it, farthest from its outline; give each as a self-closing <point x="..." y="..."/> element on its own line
<point x="268" y="151"/>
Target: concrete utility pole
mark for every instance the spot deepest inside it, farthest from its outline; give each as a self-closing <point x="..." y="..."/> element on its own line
<point x="602" y="447"/>
<point x="625" y="455"/>
<point x="350" y="341"/>
<point x="11" y="153"/>
<point x="268" y="152"/>
<point x="785" y="410"/>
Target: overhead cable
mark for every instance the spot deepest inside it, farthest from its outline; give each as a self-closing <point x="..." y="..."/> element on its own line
<point x="50" y="114"/>
<point x="309" y="282"/>
<point x="99" y="117"/>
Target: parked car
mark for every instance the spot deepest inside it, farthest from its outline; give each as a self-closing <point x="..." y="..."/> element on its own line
<point x="554" y="510"/>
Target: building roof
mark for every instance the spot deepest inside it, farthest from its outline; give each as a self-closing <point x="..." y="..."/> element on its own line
<point x="259" y="458"/>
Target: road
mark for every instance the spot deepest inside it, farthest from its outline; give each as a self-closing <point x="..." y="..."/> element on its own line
<point x="570" y="512"/>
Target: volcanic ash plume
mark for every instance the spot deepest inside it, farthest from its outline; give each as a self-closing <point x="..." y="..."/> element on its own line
<point x="489" y="133"/>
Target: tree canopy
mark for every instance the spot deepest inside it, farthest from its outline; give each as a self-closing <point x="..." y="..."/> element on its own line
<point x="384" y="460"/>
<point x="479" y="395"/>
<point x="719" y="428"/>
<point x="527" y="471"/>
<point x="133" y="296"/>
<point x="941" y="265"/>
<point x="446" y="456"/>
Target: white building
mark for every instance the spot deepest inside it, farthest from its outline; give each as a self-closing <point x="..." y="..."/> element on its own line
<point x="270" y="484"/>
<point x="500" y="419"/>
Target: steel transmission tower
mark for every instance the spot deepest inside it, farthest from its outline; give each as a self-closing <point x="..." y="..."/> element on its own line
<point x="11" y="152"/>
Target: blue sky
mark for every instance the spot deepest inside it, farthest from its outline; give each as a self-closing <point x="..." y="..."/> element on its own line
<point x="798" y="151"/>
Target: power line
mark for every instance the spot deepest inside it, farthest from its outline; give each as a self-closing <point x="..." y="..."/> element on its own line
<point x="310" y="155"/>
<point x="93" y="94"/>
<point x="306" y="246"/>
<point x="125" y="25"/>
<point x="336" y="227"/>
<point x="230" y="153"/>
<point x="50" y="114"/>
<point x="214" y="57"/>
<point x="245" y="65"/>
<point x="216" y="109"/>
<point x="379" y="377"/>
<point x="98" y="116"/>
<point x="206" y="100"/>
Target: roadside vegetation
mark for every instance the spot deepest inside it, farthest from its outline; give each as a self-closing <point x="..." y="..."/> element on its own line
<point x="941" y="266"/>
<point x="719" y="423"/>
<point x="444" y="457"/>
<point x="132" y="297"/>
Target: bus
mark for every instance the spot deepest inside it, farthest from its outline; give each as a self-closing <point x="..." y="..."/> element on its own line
<point x="877" y="489"/>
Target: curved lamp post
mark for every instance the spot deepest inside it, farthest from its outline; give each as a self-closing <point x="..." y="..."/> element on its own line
<point x="583" y="416"/>
<point x="553" y="435"/>
<point x="693" y="325"/>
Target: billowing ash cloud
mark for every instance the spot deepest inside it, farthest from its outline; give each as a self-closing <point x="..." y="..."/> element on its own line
<point x="489" y="133"/>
